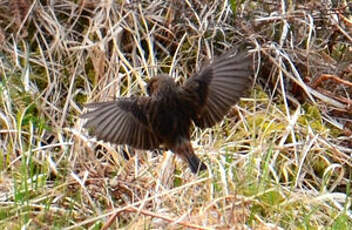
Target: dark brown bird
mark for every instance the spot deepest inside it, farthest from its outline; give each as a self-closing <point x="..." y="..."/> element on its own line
<point x="165" y="116"/>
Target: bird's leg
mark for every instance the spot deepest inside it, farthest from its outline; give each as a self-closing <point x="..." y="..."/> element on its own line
<point x="185" y="151"/>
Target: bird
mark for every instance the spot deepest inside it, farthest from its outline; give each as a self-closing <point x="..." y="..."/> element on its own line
<point x="165" y="116"/>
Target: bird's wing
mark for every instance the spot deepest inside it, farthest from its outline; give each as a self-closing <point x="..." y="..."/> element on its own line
<point x="218" y="86"/>
<point x="124" y="121"/>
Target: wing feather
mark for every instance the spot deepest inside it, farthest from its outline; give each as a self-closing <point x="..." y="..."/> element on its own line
<point x="218" y="86"/>
<point x="124" y="121"/>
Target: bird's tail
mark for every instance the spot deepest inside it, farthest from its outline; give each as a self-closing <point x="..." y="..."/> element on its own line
<point x="185" y="151"/>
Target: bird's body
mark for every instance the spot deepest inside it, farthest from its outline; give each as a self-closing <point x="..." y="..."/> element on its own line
<point x="169" y="114"/>
<point x="166" y="116"/>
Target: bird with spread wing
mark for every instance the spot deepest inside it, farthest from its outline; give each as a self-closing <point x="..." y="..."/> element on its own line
<point x="165" y="116"/>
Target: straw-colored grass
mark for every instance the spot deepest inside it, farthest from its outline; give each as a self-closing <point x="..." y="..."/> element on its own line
<point x="280" y="160"/>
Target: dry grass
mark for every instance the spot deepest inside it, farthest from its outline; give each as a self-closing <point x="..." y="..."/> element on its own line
<point x="283" y="162"/>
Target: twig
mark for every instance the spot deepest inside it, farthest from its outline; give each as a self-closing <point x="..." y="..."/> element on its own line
<point x="325" y="77"/>
<point x="152" y="214"/>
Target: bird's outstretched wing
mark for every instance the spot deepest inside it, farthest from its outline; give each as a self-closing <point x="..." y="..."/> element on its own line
<point x="124" y="121"/>
<point x="218" y="86"/>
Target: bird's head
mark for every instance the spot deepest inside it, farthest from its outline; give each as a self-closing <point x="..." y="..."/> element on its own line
<point x="160" y="85"/>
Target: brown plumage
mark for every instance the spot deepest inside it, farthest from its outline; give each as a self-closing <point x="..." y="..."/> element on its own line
<point x="165" y="116"/>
